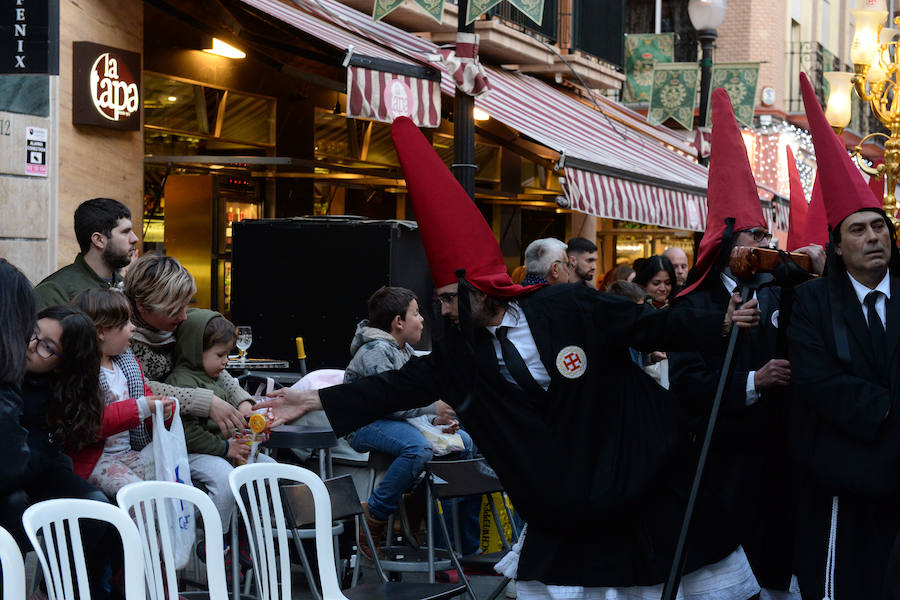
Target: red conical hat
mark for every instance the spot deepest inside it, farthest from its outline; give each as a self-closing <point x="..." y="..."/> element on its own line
<point x="816" y="220"/>
<point x="731" y="190"/>
<point x="843" y="187"/>
<point x="799" y="206"/>
<point x="876" y="184"/>
<point x="454" y="233"/>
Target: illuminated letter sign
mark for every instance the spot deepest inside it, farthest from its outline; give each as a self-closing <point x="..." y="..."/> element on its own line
<point x="106" y="87"/>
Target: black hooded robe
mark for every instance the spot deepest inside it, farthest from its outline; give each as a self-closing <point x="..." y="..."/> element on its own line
<point x="589" y="463"/>
<point x="846" y="438"/>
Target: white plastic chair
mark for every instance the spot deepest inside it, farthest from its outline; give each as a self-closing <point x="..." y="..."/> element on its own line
<point x="13" y="567"/>
<point x="265" y="523"/>
<point x="146" y="502"/>
<point x="57" y="521"/>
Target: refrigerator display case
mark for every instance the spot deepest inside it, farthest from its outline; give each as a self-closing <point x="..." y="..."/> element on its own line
<point x="201" y="211"/>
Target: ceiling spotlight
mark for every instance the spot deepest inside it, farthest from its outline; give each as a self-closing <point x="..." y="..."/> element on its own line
<point x="221" y="48"/>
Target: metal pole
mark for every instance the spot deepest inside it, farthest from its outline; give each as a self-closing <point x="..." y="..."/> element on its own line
<point x="707" y="41"/>
<point x="673" y="581"/>
<point x="464" y="166"/>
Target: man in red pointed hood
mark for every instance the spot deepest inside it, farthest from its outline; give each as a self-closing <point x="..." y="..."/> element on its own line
<point x="844" y="347"/>
<point x="542" y="378"/>
<point x="743" y="511"/>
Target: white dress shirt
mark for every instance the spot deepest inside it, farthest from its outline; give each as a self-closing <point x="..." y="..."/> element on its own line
<point x="884" y="286"/>
<point x="519" y="333"/>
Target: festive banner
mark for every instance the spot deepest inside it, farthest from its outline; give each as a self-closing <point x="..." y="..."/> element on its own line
<point x="740" y="80"/>
<point x="674" y="93"/>
<point x="642" y="52"/>
<point x="533" y="9"/>
<point x="434" y="8"/>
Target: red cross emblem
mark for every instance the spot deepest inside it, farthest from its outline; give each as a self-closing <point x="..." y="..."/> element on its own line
<point x="571" y="362"/>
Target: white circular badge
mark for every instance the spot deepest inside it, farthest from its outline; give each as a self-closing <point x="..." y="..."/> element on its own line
<point x="571" y="362"/>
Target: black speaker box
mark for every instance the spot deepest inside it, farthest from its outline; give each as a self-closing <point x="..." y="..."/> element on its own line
<point x="310" y="277"/>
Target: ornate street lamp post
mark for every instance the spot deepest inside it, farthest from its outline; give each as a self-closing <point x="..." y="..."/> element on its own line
<point x="706" y="16"/>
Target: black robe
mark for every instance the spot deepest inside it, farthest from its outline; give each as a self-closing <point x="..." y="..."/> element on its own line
<point x="846" y="438"/>
<point x="746" y="482"/>
<point x="589" y="463"/>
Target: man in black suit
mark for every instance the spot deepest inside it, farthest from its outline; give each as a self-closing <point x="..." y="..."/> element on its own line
<point x="844" y="335"/>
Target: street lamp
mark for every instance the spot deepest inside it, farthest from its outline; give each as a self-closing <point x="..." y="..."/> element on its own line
<point x="875" y="65"/>
<point x="706" y="16"/>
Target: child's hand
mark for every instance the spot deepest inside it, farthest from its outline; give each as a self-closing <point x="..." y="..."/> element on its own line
<point x="238" y="452"/>
<point x="246" y="408"/>
<point x="167" y="402"/>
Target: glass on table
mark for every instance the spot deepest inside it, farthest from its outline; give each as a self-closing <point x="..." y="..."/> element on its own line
<point x="244" y="340"/>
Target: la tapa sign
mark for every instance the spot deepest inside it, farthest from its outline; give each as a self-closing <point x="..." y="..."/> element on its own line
<point x="106" y="87"/>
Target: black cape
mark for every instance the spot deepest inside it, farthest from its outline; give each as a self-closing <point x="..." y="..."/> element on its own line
<point x="846" y="438"/>
<point x="589" y="463"/>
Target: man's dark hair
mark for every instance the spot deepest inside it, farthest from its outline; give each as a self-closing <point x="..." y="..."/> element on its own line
<point x="100" y="215"/>
<point x="388" y="302"/>
<point x="580" y="245"/>
<point x="218" y="330"/>
<point x="18" y="315"/>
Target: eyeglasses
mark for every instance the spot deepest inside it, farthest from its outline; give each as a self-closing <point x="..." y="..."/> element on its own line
<point x="43" y="348"/>
<point x="446" y="298"/>
<point x="759" y="234"/>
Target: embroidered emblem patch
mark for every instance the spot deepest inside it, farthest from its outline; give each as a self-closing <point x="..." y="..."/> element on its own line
<point x="571" y="362"/>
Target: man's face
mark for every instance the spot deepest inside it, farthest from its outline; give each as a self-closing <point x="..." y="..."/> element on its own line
<point x="753" y="238"/>
<point x="446" y="295"/>
<point x="559" y="271"/>
<point x="679" y="260"/>
<point x="121" y="245"/>
<point x="582" y="267"/>
<point x="865" y="244"/>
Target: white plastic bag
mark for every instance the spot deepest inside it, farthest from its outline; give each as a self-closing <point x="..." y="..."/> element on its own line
<point x="167" y="457"/>
<point x="441" y="443"/>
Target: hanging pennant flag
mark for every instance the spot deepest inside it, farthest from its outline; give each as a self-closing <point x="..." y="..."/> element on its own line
<point x="642" y="52"/>
<point x="533" y="9"/>
<point x="382" y="8"/>
<point x="673" y="94"/>
<point x="740" y="80"/>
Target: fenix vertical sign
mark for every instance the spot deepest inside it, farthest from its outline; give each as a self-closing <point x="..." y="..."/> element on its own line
<point x="29" y="36"/>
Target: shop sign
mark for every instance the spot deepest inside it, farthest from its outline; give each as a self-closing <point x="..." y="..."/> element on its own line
<point x="398" y="99"/>
<point x="106" y="87"/>
<point x="29" y="36"/>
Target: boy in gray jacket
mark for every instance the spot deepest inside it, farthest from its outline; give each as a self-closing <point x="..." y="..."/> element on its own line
<point x="383" y="343"/>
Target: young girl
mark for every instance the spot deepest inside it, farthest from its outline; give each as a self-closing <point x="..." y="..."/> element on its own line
<point x="113" y="460"/>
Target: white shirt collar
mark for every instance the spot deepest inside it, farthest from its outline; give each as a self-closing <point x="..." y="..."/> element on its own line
<point x="730" y="284"/>
<point x="884" y="286"/>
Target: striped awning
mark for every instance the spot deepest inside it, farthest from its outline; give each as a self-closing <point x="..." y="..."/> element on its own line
<point x="381" y="84"/>
<point x="616" y="165"/>
<point x="383" y="96"/>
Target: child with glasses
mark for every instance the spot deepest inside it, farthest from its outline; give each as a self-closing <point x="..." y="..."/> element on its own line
<point x="114" y="459"/>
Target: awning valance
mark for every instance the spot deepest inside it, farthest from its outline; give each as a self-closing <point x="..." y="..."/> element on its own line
<point x="381" y="83"/>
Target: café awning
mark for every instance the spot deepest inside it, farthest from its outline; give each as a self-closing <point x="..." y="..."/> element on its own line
<point x="376" y="76"/>
<point x="615" y="165"/>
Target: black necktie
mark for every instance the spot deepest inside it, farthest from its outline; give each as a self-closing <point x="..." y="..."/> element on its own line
<point x="876" y="328"/>
<point x="516" y="364"/>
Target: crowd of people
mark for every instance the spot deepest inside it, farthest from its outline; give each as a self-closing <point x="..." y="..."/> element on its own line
<point x="590" y="405"/>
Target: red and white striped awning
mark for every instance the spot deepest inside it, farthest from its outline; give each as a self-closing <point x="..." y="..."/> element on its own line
<point x="382" y="96"/>
<point x="620" y="166"/>
<point x="385" y="87"/>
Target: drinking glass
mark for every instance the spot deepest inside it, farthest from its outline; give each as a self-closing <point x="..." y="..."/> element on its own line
<point x="244" y="339"/>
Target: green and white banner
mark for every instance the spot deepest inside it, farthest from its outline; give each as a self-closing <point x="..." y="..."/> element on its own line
<point x="642" y="52"/>
<point x="740" y="80"/>
<point x="382" y="8"/>
<point x="533" y="9"/>
<point x="674" y="93"/>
